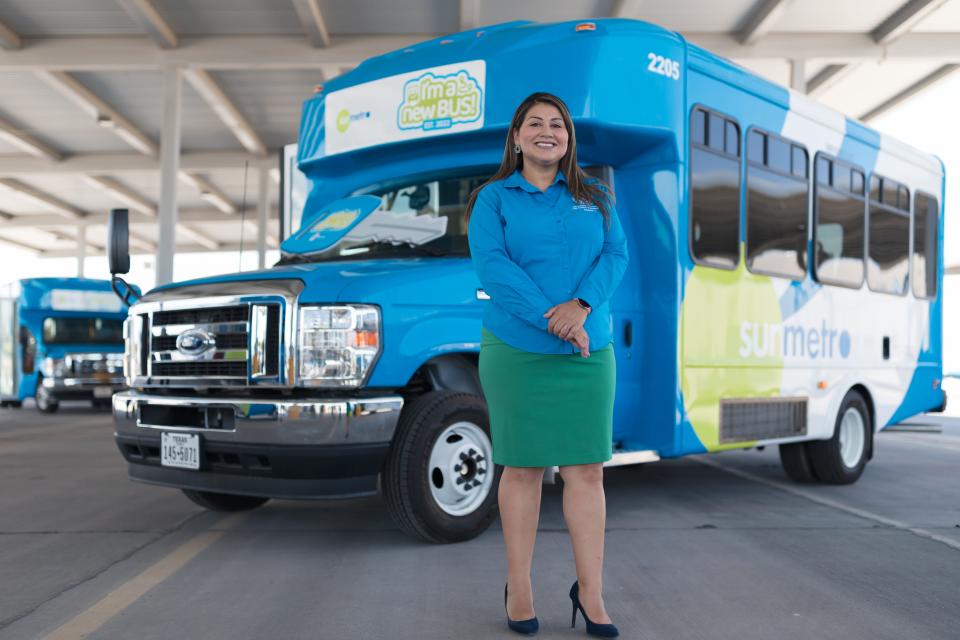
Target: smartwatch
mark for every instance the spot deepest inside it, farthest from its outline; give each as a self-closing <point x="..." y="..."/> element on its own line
<point x="584" y="304"/>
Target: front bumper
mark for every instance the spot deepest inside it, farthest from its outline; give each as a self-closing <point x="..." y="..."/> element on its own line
<point x="96" y="388"/>
<point x="278" y="448"/>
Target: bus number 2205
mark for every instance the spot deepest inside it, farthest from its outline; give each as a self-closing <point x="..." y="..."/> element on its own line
<point x="663" y="66"/>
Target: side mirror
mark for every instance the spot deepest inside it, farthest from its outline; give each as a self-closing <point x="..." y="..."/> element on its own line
<point x="118" y="241"/>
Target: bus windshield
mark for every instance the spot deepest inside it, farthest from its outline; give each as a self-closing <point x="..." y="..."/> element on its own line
<point x="432" y="198"/>
<point x="82" y="331"/>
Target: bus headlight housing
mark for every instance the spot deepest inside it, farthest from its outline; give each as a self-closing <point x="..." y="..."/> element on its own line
<point x="338" y="344"/>
<point x="53" y="367"/>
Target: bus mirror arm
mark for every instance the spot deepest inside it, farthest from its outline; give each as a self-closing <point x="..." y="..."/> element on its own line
<point x="124" y="291"/>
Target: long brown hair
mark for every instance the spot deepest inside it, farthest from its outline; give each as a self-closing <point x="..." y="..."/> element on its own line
<point x="582" y="187"/>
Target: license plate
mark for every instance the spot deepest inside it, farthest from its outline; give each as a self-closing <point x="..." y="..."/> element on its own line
<point x="180" y="450"/>
<point x="102" y="392"/>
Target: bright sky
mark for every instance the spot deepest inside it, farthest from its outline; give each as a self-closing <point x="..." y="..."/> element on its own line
<point x="926" y="122"/>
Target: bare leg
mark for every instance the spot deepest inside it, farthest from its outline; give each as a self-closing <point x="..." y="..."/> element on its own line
<point x="519" y="499"/>
<point x="585" y="510"/>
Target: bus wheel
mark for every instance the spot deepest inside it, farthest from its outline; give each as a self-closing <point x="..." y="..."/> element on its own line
<point x="841" y="459"/>
<point x="796" y="462"/>
<point x="44" y="400"/>
<point x="439" y="480"/>
<point x="223" y="501"/>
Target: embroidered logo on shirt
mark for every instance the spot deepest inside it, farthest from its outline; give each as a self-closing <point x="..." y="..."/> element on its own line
<point x="585" y="206"/>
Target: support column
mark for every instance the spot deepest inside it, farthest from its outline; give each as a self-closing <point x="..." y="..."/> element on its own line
<point x="263" y="207"/>
<point x="169" y="168"/>
<point x="81" y="249"/>
<point x="798" y="75"/>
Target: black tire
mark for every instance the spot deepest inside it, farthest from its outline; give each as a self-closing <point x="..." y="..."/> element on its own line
<point x="224" y="501"/>
<point x="406" y="477"/>
<point x="102" y="403"/>
<point x="45" y="403"/>
<point x="796" y="462"/>
<point x="825" y="456"/>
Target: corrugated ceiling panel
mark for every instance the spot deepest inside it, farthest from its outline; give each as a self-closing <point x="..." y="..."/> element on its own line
<point x="138" y="95"/>
<point x="230" y="17"/>
<point x="271" y="100"/>
<point x="70" y="18"/>
<point x="396" y="16"/>
<point x="46" y="114"/>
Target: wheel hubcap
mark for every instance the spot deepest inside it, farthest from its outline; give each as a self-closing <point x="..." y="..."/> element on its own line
<point x="461" y="468"/>
<point x="851" y="438"/>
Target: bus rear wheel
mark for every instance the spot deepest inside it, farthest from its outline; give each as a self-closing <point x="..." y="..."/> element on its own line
<point x="841" y="459"/>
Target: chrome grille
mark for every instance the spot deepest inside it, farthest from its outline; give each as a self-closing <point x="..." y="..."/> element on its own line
<point x="230" y="353"/>
<point x="85" y="365"/>
<point x="238" y="334"/>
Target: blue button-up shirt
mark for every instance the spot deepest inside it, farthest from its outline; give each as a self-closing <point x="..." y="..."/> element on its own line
<point x="535" y="249"/>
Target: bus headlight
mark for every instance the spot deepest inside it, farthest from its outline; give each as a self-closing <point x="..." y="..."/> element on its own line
<point x="53" y="367"/>
<point x="337" y="344"/>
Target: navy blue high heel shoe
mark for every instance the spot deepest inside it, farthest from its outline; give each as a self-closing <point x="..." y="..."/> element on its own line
<point x="527" y="627"/>
<point x="593" y="628"/>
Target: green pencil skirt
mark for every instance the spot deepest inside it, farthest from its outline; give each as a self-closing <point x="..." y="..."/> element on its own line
<point x="548" y="409"/>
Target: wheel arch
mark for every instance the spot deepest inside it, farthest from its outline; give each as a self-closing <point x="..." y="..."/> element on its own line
<point x="871" y="410"/>
<point x="446" y="372"/>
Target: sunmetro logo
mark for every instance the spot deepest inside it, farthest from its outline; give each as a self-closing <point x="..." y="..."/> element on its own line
<point x="439" y="102"/>
<point x="765" y="339"/>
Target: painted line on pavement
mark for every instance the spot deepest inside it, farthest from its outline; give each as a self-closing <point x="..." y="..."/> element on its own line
<point x="828" y="502"/>
<point x="112" y="604"/>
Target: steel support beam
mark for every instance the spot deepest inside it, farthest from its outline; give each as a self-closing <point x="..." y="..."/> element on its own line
<point x="197" y="237"/>
<point x="189" y="215"/>
<point x="81" y="249"/>
<point x="469" y="14"/>
<point x="798" y="75"/>
<point x="214" y="53"/>
<point x="627" y="9"/>
<point x="263" y="210"/>
<point x="833" y="47"/>
<point x="122" y="194"/>
<point x="910" y="91"/>
<point x="903" y="19"/>
<point x="8" y="38"/>
<point x="20" y="245"/>
<point x="118" y="163"/>
<point x="209" y="192"/>
<point x="45" y="199"/>
<point x="98" y="110"/>
<point x="146" y="15"/>
<point x="827" y="77"/>
<point x="135" y="249"/>
<point x="311" y="19"/>
<point x="228" y="113"/>
<point x="169" y="168"/>
<point x="760" y="20"/>
<point x="19" y="138"/>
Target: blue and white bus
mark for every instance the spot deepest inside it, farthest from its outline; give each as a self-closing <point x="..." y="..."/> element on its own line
<point x="784" y="286"/>
<point x="786" y="260"/>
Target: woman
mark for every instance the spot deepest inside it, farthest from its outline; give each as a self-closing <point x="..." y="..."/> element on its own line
<point x="548" y="248"/>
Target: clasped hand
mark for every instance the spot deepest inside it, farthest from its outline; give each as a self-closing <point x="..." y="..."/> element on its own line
<point x="566" y="322"/>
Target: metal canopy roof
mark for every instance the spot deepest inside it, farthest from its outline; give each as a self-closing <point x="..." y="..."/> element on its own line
<point x="81" y="88"/>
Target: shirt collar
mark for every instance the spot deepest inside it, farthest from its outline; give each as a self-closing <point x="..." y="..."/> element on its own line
<point x="516" y="180"/>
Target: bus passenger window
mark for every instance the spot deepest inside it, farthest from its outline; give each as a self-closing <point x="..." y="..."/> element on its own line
<point x="926" y="210"/>
<point x="838" y="223"/>
<point x="714" y="221"/>
<point x="777" y="208"/>
<point x="889" y="238"/>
